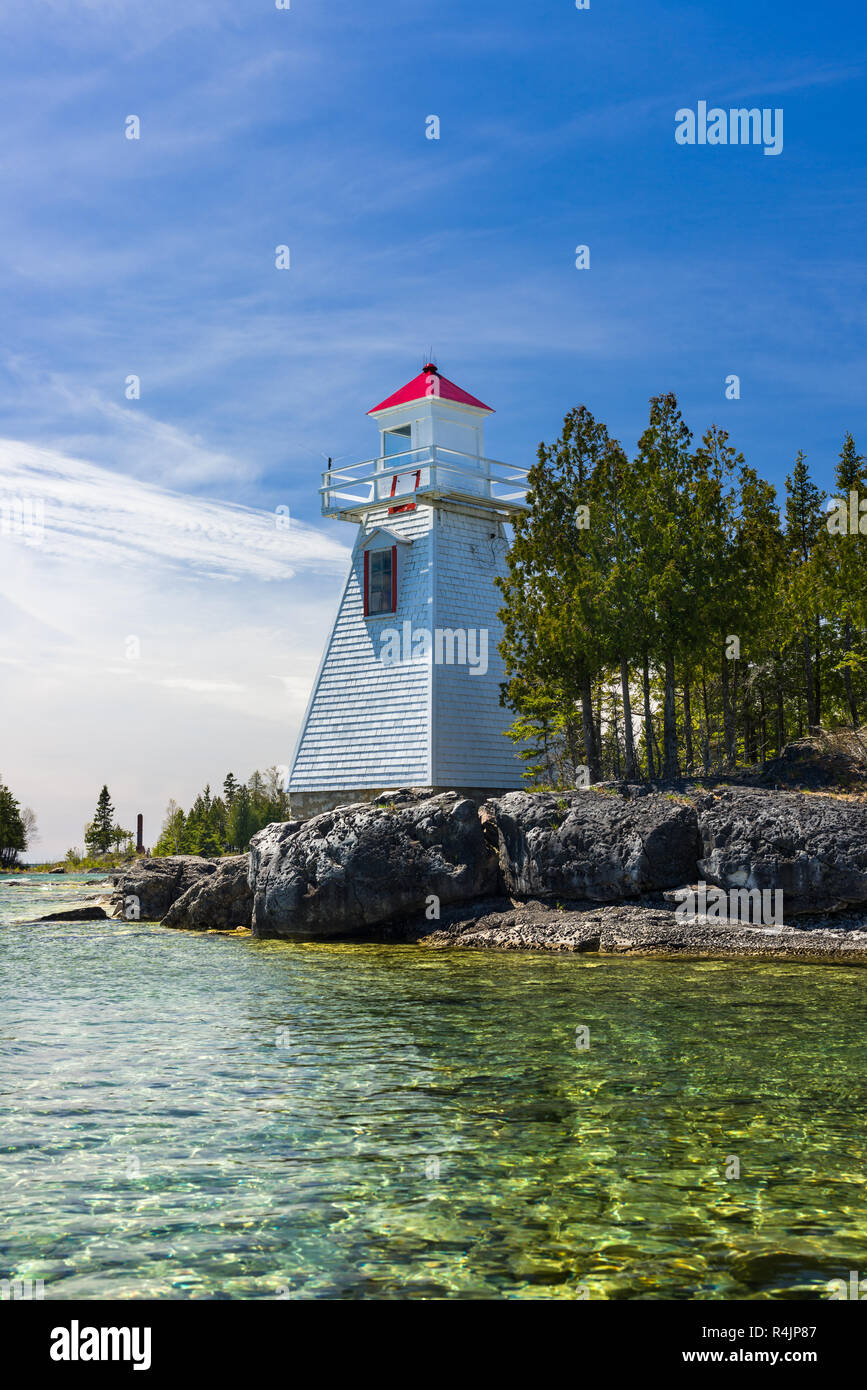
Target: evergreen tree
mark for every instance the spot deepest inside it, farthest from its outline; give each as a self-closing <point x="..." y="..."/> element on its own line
<point x="99" y="833"/>
<point x="744" y="631"/>
<point x="666" y="532"/>
<point x="13" y="829"/>
<point x="241" y="821"/>
<point x="844" y="553"/>
<point x="616" y="500"/>
<point x="805" y="520"/>
<point x="216" y="823"/>
<point x="551" y="615"/>
<point x="172" y="834"/>
<point x="209" y="844"/>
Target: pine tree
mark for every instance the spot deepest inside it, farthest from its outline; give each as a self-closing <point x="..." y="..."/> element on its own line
<point x="241" y="823"/>
<point x="552" y="634"/>
<point x="666" y="530"/>
<point x="844" y="553"/>
<point x="13" y="829"/>
<point x="616" y="500"/>
<point x="804" y="522"/>
<point x="99" y="833"/>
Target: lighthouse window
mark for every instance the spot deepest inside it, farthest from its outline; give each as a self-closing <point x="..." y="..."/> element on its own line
<point x="379" y="576"/>
<point x="397" y="441"/>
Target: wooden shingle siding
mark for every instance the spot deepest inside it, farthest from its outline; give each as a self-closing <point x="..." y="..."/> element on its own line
<point x="470" y="747"/>
<point x="419" y="723"/>
<point x="368" y="724"/>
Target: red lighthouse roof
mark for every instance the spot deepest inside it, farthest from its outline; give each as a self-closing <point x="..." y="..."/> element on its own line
<point x="429" y="382"/>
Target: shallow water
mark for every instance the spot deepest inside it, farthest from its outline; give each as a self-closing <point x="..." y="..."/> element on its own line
<point x="191" y="1116"/>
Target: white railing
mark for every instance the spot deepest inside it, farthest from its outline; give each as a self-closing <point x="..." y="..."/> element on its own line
<point x="431" y="471"/>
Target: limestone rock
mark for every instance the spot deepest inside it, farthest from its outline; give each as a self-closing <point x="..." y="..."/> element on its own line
<point x="76" y="914"/>
<point x="813" y="848"/>
<point x="356" y="867"/>
<point x="661" y="934"/>
<point x="512" y="926"/>
<point x="220" y="901"/>
<point x="591" y="845"/>
<point x="156" y="884"/>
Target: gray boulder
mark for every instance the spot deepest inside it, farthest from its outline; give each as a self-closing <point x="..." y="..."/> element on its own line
<point x="154" y="884"/>
<point x="358" y="866"/>
<point x="591" y="845"/>
<point x="75" y="914"/>
<point x="813" y="848"/>
<point x="220" y="901"/>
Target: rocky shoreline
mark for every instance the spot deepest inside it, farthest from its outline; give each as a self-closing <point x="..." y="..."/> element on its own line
<point x="631" y="929"/>
<point x="603" y="870"/>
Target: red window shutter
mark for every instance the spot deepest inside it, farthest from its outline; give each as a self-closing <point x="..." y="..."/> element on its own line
<point x="394" y="579"/>
<point x="366" y="583"/>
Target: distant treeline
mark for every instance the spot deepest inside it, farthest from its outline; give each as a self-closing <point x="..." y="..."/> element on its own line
<point x="216" y="825"/>
<point x="662" y="618"/>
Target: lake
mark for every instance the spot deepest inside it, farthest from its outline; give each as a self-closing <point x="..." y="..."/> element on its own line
<point x="204" y="1116"/>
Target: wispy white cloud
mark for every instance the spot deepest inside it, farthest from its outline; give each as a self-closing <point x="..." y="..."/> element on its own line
<point x="77" y="510"/>
<point x="150" y="638"/>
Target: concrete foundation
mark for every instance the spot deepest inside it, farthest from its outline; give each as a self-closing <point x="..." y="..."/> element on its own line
<point x="304" y="805"/>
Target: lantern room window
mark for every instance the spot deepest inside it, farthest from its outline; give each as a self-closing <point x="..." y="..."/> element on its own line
<point x="397" y="441"/>
<point x="380" y="581"/>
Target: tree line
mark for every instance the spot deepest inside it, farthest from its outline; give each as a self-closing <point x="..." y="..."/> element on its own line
<point x="662" y="617"/>
<point x="216" y="825"/>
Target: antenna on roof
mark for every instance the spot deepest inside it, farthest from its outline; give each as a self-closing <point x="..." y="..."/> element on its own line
<point x="430" y="361"/>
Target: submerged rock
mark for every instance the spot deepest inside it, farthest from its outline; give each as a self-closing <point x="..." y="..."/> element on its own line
<point x="589" y="844"/>
<point x="221" y="901"/>
<point x="360" y="866"/>
<point x="154" y="884"/>
<point x="813" y="848"/>
<point x="76" y="914"/>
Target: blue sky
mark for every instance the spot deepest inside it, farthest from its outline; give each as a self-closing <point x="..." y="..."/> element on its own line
<point x="307" y="127"/>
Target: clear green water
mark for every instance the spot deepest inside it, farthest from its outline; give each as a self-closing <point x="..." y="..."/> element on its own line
<point x="213" y="1117"/>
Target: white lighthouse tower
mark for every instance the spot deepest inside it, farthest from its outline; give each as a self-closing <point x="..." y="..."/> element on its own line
<point x="407" y="693"/>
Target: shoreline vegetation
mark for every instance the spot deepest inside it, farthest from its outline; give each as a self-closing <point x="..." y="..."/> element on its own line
<point x="225" y="824"/>
<point x="215" y="826"/>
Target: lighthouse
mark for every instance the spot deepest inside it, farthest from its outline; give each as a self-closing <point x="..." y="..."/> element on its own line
<point x="408" y="689"/>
